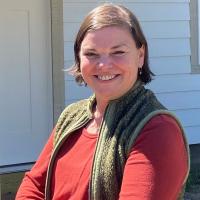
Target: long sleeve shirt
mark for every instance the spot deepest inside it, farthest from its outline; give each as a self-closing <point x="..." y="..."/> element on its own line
<point x="154" y="170"/>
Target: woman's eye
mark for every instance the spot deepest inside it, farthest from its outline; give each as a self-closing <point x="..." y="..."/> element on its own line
<point x="91" y="54"/>
<point x="118" y="53"/>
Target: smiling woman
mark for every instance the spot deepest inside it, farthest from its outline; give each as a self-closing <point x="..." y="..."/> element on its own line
<point x="109" y="62"/>
<point x="120" y="143"/>
<point x="105" y="16"/>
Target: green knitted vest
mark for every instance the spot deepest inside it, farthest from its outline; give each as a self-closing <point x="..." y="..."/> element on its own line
<point x="123" y="120"/>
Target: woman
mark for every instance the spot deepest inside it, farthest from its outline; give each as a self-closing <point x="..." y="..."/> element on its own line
<point x="121" y="143"/>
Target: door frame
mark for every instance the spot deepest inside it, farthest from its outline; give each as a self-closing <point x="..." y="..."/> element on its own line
<point x="57" y="42"/>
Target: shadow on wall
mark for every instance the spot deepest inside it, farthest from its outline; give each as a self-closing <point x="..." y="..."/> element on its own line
<point x="9" y="184"/>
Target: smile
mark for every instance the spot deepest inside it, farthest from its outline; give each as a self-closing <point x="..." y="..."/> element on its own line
<point x="106" y="77"/>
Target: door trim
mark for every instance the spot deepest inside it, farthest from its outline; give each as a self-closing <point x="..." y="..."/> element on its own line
<point x="57" y="39"/>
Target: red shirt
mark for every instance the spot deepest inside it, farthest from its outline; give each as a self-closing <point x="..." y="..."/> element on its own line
<point x="155" y="169"/>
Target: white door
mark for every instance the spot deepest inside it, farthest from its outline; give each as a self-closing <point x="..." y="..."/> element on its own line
<point x="25" y="79"/>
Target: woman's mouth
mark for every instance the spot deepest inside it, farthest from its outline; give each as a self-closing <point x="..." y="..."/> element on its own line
<point x="106" y="77"/>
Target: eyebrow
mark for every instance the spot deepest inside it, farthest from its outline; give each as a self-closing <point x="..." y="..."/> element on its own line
<point x="118" y="46"/>
<point x="114" y="47"/>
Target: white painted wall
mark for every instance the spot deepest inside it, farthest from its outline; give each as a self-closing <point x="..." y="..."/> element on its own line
<point x="166" y="24"/>
<point x="26" y="108"/>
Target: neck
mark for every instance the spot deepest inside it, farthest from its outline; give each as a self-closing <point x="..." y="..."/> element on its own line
<point x="100" y="108"/>
<point x="98" y="112"/>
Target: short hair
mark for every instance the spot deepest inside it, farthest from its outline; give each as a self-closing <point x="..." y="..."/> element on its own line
<point x="106" y="15"/>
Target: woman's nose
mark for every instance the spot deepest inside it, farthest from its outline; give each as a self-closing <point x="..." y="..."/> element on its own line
<point x="104" y="61"/>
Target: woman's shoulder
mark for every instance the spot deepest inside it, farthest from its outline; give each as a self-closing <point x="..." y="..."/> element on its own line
<point x="76" y="105"/>
<point x="76" y="108"/>
<point x="163" y="121"/>
<point x="163" y="127"/>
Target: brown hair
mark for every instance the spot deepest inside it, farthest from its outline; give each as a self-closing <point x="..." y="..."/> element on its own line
<point x="106" y="15"/>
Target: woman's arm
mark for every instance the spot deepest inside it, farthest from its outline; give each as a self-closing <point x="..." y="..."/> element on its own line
<point x="33" y="184"/>
<point x="157" y="164"/>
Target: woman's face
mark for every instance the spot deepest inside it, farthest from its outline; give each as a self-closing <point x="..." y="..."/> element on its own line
<point x="109" y="61"/>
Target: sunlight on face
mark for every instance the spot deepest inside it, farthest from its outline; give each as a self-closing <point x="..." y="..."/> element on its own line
<point x="109" y="61"/>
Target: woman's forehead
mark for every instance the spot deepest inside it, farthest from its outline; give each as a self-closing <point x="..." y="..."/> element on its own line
<point x="114" y="37"/>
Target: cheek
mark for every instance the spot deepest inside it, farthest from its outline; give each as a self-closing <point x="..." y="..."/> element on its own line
<point x="130" y="67"/>
<point x="122" y="62"/>
<point x="126" y="64"/>
<point x="86" y="68"/>
<point x="84" y="63"/>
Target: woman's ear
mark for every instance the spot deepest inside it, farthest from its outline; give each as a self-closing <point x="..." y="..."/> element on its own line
<point x="141" y="55"/>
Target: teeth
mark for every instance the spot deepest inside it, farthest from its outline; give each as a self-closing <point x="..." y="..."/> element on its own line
<point x="106" y="78"/>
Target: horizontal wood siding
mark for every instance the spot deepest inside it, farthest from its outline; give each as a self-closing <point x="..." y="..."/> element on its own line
<point x="166" y="24"/>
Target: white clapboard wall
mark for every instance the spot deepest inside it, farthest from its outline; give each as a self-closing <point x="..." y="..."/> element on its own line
<point x="166" y="24"/>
